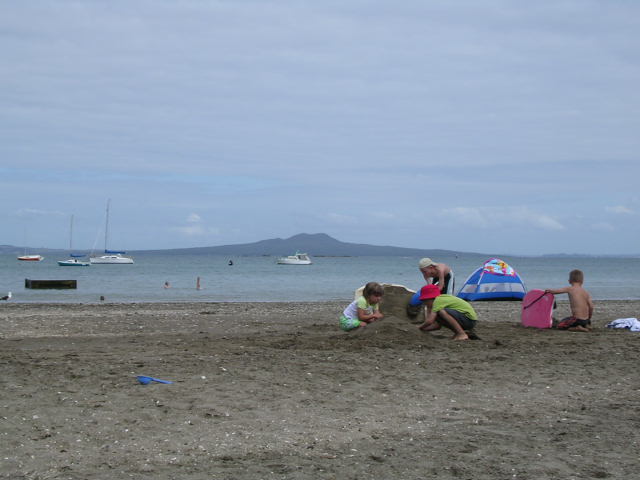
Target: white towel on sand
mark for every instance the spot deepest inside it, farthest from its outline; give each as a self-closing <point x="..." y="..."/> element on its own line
<point x="631" y="323"/>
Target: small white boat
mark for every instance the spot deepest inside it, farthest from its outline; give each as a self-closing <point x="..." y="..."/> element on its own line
<point x="31" y="258"/>
<point x="73" y="262"/>
<point x="26" y="257"/>
<point x="297" y="259"/>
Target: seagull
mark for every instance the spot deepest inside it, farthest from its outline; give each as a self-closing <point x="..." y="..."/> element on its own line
<point x="6" y="297"/>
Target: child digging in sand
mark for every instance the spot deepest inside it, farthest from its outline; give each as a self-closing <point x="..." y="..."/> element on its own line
<point x="363" y="310"/>
<point x="580" y="301"/>
<point x="448" y="311"/>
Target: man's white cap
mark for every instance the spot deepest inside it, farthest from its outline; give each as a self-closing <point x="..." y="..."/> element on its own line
<point x="425" y="262"/>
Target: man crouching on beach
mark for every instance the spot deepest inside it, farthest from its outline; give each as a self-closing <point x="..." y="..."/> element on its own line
<point x="448" y="311"/>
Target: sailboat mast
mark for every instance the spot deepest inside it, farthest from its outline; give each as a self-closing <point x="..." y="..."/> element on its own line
<point x="71" y="234"/>
<point x="106" y="227"/>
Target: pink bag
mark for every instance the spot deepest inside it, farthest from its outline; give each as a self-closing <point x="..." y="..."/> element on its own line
<point x="537" y="307"/>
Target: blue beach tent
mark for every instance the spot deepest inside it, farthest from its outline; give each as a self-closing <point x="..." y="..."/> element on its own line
<point x="495" y="280"/>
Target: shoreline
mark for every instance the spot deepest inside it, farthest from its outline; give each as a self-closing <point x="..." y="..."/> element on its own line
<point x="276" y="390"/>
<point x="25" y="320"/>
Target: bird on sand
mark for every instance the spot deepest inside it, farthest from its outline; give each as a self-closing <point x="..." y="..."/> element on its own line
<point x="6" y="297"/>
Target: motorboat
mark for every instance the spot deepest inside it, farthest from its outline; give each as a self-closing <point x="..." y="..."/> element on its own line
<point x="111" y="257"/>
<point x="31" y="258"/>
<point x="73" y="262"/>
<point x="297" y="259"/>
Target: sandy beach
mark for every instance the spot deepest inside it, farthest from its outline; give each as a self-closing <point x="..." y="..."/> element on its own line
<point x="277" y="391"/>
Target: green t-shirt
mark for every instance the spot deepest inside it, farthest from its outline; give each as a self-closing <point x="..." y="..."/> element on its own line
<point x="352" y="310"/>
<point x="449" y="301"/>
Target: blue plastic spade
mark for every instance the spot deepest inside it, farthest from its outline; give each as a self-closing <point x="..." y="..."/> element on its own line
<point x="147" y="380"/>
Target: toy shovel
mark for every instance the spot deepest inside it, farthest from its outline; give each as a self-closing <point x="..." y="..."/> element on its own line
<point x="147" y="380"/>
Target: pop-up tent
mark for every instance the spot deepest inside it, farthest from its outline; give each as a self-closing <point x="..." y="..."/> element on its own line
<point x="495" y="280"/>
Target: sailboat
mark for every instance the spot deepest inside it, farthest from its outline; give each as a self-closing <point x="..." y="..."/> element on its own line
<point x="110" y="256"/>
<point x="29" y="258"/>
<point x="74" y="261"/>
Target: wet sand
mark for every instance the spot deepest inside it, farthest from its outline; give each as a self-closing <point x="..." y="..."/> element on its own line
<point x="277" y="391"/>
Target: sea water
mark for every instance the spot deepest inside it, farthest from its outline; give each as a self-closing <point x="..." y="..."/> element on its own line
<point x="260" y="278"/>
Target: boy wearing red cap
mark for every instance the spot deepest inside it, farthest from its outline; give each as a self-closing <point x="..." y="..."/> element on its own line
<point x="448" y="311"/>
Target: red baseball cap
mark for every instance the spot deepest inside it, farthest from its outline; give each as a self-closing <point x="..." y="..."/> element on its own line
<point x="429" y="291"/>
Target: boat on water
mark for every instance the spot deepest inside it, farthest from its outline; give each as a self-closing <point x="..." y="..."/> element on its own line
<point x="110" y="256"/>
<point x="27" y="257"/>
<point x="74" y="260"/>
<point x="31" y="258"/>
<point x="297" y="259"/>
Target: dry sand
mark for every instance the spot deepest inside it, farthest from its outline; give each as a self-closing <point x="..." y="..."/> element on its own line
<point x="277" y="391"/>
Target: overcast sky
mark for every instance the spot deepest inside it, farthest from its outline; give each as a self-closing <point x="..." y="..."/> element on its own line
<point x="483" y="125"/>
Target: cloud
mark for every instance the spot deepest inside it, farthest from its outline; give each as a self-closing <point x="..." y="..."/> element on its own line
<point x="545" y="222"/>
<point x="489" y="217"/>
<point x="190" y="230"/>
<point x="196" y="230"/>
<point x="195" y="227"/>
<point x="620" y="209"/>
<point x="32" y="212"/>
<point x="340" y="219"/>
<point x="603" y="227"/>
<point x="386" y="216"/>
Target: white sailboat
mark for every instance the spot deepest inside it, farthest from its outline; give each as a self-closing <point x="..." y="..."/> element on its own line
<point x="110" y="256"/>
<point x="74" y="260"/>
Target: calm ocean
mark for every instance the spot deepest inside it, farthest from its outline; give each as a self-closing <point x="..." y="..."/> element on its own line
<point x="261" y="279"/>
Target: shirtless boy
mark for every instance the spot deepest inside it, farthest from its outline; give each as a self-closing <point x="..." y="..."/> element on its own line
<point x="438" y="274"/>
<point x="580" y="301"/>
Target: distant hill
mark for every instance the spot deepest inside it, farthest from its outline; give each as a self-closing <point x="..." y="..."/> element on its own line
<point x="318" y="244"/>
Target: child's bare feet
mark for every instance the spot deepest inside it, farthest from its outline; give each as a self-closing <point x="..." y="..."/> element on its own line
<point x="429" y="327"/>
<point x="460" y="336"/>
<point x="472" y="335"/>
<point x="579" y="328"/>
